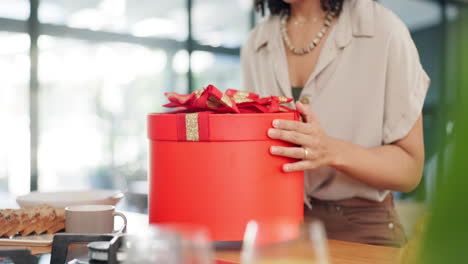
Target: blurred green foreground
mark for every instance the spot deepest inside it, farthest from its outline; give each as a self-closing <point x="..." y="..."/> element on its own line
<point x="446" y="237"/>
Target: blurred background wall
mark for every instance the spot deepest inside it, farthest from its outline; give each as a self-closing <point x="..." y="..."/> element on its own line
<point x="77" y="79"/>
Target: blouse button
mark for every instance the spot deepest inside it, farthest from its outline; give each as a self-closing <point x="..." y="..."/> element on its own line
<point x="305" y="100"/>
<point x="390" y="225"/>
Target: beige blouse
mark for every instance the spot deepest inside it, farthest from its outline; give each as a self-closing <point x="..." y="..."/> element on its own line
<point x="368" y="86"/>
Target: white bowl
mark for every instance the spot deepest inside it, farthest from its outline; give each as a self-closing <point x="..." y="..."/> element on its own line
<point x="64" y="199"/>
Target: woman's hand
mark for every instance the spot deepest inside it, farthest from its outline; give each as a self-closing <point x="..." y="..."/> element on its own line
<point x="397" y="166"/>
<point x="317" y="147"/>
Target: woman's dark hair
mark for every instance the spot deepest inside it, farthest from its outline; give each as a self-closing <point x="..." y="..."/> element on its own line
<point x="279" y="7"/>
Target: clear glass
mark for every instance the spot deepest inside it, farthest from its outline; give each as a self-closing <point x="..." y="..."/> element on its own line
<point x="14" y="9"/>
<point x="94" y="99"/>
<point x="14" y="113"/>
<point x="221" y="22"/>
<point x="280" y="241"/>
<point x="150" y="245"/>
<point x="170" y="244"/>
<point x="196" y="247"/>
<point x="143" y="18"/>
<point x="223" y="71"/>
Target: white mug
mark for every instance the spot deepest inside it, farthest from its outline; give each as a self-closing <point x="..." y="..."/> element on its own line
<point x="92" y="219"/>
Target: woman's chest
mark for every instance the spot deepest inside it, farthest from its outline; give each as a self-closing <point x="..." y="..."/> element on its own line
<point x="351" y="72"/>
<point x="300" y="67"/>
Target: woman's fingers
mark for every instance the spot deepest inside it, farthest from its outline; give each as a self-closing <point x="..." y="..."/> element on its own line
<point x="308" y="134"/>
<point x="301" y="166"/>
<point x="312" y="162"/>
<point x="298" y="126"/>
<point x="289" y="136"/>
<point x="306" y="113"/>
<point x="293" y="126"/>
<point x="291" y="152"/>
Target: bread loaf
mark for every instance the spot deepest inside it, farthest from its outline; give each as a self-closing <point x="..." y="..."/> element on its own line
<point x="37" y="219"/>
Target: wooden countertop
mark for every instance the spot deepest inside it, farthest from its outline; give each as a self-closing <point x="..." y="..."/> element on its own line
<point x="341" y="252"/>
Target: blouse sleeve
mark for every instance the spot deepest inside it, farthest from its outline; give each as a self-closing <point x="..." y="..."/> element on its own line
<point x="405" y="88"/>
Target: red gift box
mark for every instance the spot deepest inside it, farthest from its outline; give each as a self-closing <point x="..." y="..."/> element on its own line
<point x="215" y="170"/>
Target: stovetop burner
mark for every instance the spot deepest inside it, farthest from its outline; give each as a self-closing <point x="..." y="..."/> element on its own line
<point x="102" y="248"/>
<point x="99" y="251"/>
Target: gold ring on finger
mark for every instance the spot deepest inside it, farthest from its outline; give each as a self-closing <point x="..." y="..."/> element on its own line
<point x="306" y="153"/>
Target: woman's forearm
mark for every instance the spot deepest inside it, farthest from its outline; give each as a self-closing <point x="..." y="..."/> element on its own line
<point x="388" y="167"/>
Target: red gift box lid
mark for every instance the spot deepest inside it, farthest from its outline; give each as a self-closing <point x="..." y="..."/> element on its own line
<point x="216" y="127"/>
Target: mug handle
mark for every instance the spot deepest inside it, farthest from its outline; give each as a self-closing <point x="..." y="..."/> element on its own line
<point x="123" y="229"/>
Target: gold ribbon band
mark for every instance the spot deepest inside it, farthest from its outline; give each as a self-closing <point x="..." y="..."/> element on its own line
<point x="191" y="127"/>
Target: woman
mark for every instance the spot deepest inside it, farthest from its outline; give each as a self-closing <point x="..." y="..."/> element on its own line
<point x="352" y="65"/>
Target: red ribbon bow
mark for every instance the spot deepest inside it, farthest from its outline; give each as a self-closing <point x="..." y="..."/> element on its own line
<point x="233" y="101"/>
